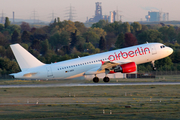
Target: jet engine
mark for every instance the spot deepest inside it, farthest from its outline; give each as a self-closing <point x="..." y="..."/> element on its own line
<point x="125" y="68"/>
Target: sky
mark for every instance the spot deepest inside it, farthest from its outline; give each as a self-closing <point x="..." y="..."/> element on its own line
<point x="131" y="10"/>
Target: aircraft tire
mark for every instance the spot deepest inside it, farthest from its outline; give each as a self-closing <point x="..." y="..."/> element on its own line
<point x="154" y="68"/>
<point x="106" y="79"/>
<point x="96" y="79"/>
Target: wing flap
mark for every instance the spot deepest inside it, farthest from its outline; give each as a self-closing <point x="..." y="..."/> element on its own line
<point x="108" y="65"/>
<point x="94" y="71"/>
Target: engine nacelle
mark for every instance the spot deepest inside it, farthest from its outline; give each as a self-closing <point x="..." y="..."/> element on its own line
<point x="126" y="68"/>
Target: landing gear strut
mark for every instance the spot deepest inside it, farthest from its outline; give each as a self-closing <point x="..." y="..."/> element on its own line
<point x="153" y="64"/>
<point x="96" y="79"/>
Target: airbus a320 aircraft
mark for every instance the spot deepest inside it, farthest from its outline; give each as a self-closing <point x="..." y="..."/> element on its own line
<point x="121" y="60"/>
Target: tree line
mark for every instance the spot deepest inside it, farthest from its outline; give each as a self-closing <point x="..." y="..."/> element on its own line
<point x="62" y="40"/>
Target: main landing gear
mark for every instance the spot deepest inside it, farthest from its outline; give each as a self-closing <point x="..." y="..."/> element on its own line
<point x="96" y="79"/>
<point x="106" y="79"/>
<point x="153" y="64"/>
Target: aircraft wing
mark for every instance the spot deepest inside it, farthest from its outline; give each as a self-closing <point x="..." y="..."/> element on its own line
<point x="106" y="67"/>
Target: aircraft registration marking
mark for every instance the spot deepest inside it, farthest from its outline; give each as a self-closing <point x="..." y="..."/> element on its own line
<point x="69" y="71"/>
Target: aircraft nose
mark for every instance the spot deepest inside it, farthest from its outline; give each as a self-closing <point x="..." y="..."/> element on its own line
<point x="170" y="51"/>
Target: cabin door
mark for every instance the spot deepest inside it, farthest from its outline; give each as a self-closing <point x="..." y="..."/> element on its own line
<point x="49" y="72"/>
<point x="153" y="50"/>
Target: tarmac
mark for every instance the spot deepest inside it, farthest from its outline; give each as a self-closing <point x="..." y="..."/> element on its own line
<point x="88" y="84"/>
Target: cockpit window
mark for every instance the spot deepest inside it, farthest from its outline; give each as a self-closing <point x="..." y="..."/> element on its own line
<point x="162" y="46"/>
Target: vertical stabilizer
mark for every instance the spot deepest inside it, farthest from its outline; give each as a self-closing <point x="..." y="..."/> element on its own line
<point x="24" y="58"/>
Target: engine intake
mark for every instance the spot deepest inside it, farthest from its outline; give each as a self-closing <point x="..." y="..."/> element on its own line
<point x="126" y="68"/>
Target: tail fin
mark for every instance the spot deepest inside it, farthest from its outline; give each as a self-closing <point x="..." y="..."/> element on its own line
<point x="24" y="58"/>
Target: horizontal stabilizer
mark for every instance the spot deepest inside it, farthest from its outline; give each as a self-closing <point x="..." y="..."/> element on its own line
<point x="29" y="74"/>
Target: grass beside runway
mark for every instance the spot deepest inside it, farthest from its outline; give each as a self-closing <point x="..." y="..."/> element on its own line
<point x="147" y="102"/>
<point x="78" y="111"/>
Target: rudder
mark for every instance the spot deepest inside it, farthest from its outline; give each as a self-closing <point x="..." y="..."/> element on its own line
<point x="24" y="58"/>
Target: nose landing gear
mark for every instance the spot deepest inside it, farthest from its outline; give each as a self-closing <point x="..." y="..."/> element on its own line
<point x="153" y="64"/>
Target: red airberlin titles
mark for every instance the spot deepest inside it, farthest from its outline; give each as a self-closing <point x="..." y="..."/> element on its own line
<point x="130" y="54"/>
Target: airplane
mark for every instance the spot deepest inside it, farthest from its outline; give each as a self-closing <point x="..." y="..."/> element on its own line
<point x="123" y="60"/>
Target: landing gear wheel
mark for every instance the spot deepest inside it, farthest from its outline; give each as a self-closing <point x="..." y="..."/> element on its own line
<point x="106" y="79"/>
<point x="154" y="68"/>
<point x="96" y="79"/>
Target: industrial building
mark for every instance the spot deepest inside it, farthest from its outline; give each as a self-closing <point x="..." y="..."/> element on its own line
<point x="154" y="16"/>
<point x="98" y="14"/>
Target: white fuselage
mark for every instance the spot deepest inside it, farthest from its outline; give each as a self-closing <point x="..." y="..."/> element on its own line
<point x="80" y="66"/>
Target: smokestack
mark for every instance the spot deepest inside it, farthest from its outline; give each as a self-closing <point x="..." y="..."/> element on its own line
<point x="13" y="16"/>
<point x="167" y="16"/>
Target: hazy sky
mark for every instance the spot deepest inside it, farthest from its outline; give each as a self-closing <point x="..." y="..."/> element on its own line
<point x="132" y="10"/>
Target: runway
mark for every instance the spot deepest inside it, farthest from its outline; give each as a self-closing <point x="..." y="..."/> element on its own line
<point x="88" y="84"/>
